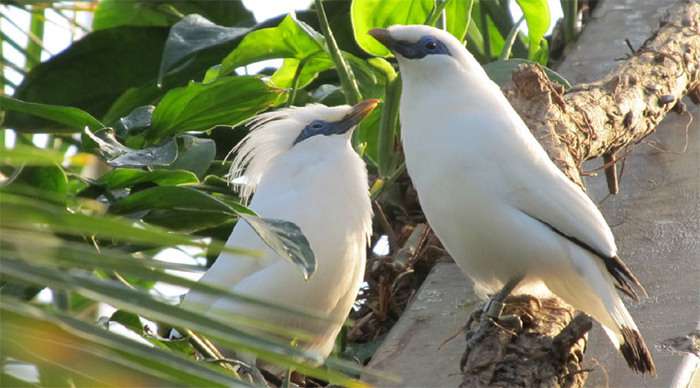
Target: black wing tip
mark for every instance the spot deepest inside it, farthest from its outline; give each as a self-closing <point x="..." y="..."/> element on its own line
<point x="624" y="278"/>
<point x="636" y="353"/>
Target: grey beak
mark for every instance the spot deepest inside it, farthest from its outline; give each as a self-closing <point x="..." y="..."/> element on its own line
<point x="383" y="36"/>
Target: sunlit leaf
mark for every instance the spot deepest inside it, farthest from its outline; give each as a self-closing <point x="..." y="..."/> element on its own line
<point x="538" y="19"/>
<point x="199" y="107"/>
<point x="290" y="39"/>
<point x="368" y="14"/>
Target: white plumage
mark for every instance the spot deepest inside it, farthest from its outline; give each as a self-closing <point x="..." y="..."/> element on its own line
<point x="492" y="195"/>
<point x="320" y="184"/>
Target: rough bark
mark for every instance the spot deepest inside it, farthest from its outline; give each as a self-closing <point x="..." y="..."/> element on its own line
<point x="602" y="118"/>
<point x="599" y="119"/>
<point x="542" y="347"/>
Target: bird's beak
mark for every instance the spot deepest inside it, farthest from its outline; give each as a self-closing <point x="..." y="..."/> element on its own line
<point x="383" y="36"/>
<point x="359" y="112"/>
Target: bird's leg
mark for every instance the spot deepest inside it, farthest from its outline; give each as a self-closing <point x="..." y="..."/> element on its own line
<point x="494" y="307"/>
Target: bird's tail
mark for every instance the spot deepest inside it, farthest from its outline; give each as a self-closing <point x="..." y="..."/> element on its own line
<point x="592" y="291"/>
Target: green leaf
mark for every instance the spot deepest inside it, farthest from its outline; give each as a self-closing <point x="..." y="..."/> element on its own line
<point x="287" y="240"/>
<point x="192" y="34"/>
<point x="312" y="66"/>
<point x="195" y="154"/>
<point x="48" y="182"/>
<point x="139" y="118"/>
<point x="131" y="99"/>
<point x="199" y="107"/>
<point x="140" y="302"/>
<point x="501" y="72"/>
<point x="64" y="118"/>
<point x="290" y="39"/>
<point x="171" y="197"/>
<point x="368" y="14"/>
<point x="129" y="320"/>
<point x="126" y="177"/>
<point x="26" y="213"/>
<point x="115" y="13"/>
<point x="538" y="18"/>
<point x="119" y="155"/>
<point x="91" y="74"/>
<point x="33" y="247"/>
<point x="29" y="155"/>
<point x="458" y="17"/>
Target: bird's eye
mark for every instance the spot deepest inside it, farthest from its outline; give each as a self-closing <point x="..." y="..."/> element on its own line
<point x="317" y="125"/>
<point x="431" y="45"/>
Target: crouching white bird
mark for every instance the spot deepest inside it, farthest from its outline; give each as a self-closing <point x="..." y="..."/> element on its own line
<point x="303" y="169"/>
<point x="507" y="215"/>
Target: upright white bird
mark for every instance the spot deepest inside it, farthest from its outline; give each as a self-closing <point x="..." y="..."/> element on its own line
<point x="507" y="215"/>
<point x="303" y="169"/>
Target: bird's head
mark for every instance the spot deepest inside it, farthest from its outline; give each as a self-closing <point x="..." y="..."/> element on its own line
<point x="425" y="51"/>
<point x="314" y="127"/>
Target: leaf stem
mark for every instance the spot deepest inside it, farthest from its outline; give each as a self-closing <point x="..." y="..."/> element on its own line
<point x="570" y="10"/>
<point x="510" y="40"/>
<point x="436" y="12"/>
<point x="485" y="31"/>
<point x="347" y="78"/>
<point x="295" y="81"/>
<point x="387" y="127"/>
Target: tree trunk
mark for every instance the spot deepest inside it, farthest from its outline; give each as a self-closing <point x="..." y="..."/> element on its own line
<point x="600" y="119"/>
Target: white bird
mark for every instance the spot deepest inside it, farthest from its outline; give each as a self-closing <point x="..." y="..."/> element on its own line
<point x="503" y="210"/>
<point x="303" y="169"/>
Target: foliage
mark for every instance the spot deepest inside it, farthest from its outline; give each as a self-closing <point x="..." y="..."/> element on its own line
<point x="140" y="114"/>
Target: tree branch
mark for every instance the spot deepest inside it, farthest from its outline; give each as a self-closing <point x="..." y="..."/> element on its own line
<point x="600" y="118"/>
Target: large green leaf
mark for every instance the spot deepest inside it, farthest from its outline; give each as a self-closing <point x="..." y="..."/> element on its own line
<point x="192" y="34"/>
<point x="458" y="17"/>
<point x="537" y="18"/>
<point x="91" y="73"/>
<point x="28" y="155"/>
<point x="46" y="182"/>
<point x="290" y="39"/>
<point x="62" y="118"/>
<point x="115" y="13"/>
<point x="368" y="14"/>
<point x="199" y="107"/>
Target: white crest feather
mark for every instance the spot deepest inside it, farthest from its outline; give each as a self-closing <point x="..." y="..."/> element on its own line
<point x="271" y="135"/>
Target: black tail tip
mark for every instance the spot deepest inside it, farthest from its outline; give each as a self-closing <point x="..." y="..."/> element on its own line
<point x="635" y="352"/>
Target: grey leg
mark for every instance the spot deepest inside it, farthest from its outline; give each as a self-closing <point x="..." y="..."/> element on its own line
<point x="494" y="307"/>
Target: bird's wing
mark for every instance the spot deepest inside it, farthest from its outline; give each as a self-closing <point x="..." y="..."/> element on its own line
<point x="229" y="269"/>
<point x="554" y="200"/>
